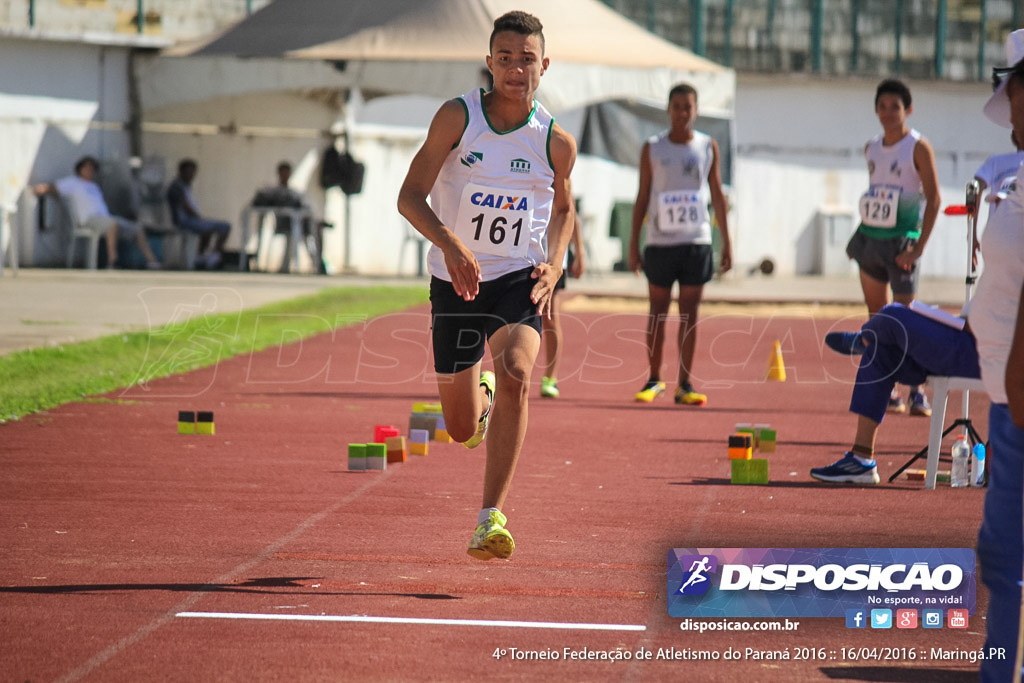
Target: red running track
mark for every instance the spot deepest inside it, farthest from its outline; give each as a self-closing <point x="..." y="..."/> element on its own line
<point x="113" y="525"/>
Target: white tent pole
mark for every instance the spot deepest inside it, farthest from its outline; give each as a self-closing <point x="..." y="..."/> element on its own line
<point x="350" y="121"/>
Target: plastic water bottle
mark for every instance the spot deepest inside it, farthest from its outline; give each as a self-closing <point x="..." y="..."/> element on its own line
<point x="978" y="465"/>
<point x="958" y="476"/>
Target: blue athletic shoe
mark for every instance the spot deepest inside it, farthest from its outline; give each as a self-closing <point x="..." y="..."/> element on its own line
<point x="849" y="470"/>
<point x="847" y="343"/>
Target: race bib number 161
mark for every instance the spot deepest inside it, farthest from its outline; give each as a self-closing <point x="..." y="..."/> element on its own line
<point x="495" y="221"/>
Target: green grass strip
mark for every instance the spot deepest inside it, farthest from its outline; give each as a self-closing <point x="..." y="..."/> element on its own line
<point x="39" y="379"/>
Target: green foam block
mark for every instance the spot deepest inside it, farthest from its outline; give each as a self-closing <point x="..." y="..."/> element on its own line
<point x="357" y="456"/>
<point x="753" y="471"/>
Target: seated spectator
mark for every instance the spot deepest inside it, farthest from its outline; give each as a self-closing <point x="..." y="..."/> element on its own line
<point x="895" y="345"/>
<point x="186" y="215"/>
<point x="283" y="195"/>
<point x="91" y="211"/>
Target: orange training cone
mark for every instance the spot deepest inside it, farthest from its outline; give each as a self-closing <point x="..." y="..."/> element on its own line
<point x="776" y="368"/>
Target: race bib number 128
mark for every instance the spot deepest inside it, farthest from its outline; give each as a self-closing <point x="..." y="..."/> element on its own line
<point x="495" y="221"/>
<point x="681" y="211"/>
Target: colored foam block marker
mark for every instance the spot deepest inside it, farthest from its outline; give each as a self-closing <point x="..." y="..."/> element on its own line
<point x="397" y="449"/>
<point x="376" y="456"/>
<point x="417" y="448"/>
<point x="422" y="421"/>
<point x="753" y="471"/>
<point x="382" y="432"/>
<point x="357" y="456"/>
<point x="186" y="422"/>
<point x="443" y="436"/>
<point x="741" y="453"/>
<point x="919" y="475"/>
<point x="426" y="407"/>
<point x="766" y="446"/>
<point x="419" y="436"/>
<point x="741" y="441"/>
<point x="750" y="431"/>
<point x="204" y="422"/>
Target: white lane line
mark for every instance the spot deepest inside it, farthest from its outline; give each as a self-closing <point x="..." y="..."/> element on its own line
<point x="411" y="620"/>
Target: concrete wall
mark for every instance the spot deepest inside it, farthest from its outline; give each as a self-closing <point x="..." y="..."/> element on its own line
<point x="800" y="148"/>
<point x="58" y="102"/>
<point x="171" y="19"/>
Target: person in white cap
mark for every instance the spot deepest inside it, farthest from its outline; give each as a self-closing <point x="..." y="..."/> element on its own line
<point x="997" y="321"/>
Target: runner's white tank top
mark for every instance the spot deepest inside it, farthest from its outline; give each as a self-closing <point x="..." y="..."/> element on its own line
<point x="893" y="168"/>
<point x="677" y="209"/>
<point x="495" y="192"/>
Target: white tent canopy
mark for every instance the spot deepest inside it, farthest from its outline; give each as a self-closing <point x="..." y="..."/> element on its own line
<point x="432" y="47"/>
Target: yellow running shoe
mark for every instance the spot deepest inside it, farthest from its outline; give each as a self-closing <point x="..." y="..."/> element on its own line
<point x="487" y="382"/>
<point x="548" y="387"/>
<point x="491" y="539"/>
<point x="651" y="391"/>
<point x="690" y="398"/>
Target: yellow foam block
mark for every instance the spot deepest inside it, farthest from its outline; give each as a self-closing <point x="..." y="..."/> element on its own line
<point x="417" y="448"/>
<point x="442" y="436"/>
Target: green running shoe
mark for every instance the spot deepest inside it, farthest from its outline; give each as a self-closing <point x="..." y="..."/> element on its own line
<point x="491" y="539"/>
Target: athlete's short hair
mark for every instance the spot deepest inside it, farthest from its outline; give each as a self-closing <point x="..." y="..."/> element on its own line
<point x="518" y="22"/>
<point x="682" y="89"/>
<point x="893" y="86"/>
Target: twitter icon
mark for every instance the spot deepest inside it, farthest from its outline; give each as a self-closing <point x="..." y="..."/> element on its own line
<point x="881" y="618"/>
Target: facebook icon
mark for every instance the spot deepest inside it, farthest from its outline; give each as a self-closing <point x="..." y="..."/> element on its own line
<point x="856" y="618"/>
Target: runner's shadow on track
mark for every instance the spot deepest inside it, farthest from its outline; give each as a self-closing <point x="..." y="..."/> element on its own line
<point x="404" y="396"/>
<point x="887" y="674"/>
<point x="258" y="586"/>
<point x="821" y="486"/>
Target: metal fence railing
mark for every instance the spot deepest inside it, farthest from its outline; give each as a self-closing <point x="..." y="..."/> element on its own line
<point x="941" y="39"/>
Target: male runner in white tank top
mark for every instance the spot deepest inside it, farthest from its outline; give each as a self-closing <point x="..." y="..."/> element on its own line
<point x="898" y="213"/>
<point x="679" y="176"/>
<point x="496" y="168"/>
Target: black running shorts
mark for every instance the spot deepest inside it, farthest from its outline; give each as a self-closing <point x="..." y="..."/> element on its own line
<point x="460" y="329"/>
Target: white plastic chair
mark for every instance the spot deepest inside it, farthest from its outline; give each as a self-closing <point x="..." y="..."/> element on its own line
<point x="416" y="238"/>
<point x="76" y="232"/>
<point x="8" y="227"/>
<point x="941" y="386"/>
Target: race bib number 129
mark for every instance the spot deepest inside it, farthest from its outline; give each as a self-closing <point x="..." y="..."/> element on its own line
<point x="878" y="207"/>
<point x="495" y="221"/>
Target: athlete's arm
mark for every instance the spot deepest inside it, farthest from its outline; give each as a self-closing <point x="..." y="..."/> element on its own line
<point x="643" y="194"/>
<point x="444" y="133"/>
<point x="560" y="224"/>
<point x="721" y="207"/>
<point x="1015" y="368"/>
<point x="924" y="161"/>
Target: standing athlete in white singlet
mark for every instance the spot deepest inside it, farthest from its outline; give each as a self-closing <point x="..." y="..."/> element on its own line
<point x="679" y="177"/>
<point x="897" y="214"/>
